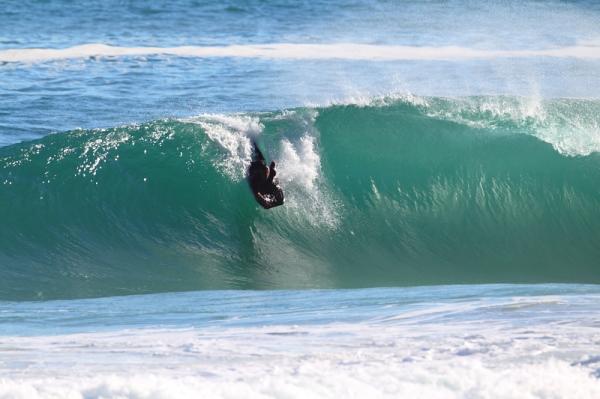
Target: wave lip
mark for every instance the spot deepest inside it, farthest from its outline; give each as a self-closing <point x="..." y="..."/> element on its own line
<point x="298" y="51"/>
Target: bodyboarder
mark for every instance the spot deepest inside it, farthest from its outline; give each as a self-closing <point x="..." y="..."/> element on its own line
<point x="261" y="179"/>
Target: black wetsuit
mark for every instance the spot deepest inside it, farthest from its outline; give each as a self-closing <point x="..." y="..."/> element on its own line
<point x="261" y="179"/>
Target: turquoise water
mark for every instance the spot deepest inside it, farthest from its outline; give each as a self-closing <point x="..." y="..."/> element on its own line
<point x="401" y="192"/>
<point x="441" y="227"/>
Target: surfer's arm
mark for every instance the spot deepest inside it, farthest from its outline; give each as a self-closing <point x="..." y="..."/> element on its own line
<point x="272" y="172"/>
<point x="264" y="201"/>
<point x="257" y="154"/>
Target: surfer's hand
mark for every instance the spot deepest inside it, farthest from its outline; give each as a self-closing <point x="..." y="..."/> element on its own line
<point x="264" y="198"/>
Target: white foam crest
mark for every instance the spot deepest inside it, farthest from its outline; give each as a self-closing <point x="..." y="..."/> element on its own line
<point x="572" y="134"/>
<point x="520" y="110"/>
<point x="233" y="133"/>
<point x="381" y="100"/>
<point x="300" y="163"/>
<point x="345" y="51"/>
<point x="486" y="112"/>
<point x="300" y="174"/>
<point x="571" y="128"/>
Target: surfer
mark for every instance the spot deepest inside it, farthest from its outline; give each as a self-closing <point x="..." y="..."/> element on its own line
<point x="262" y="181"/>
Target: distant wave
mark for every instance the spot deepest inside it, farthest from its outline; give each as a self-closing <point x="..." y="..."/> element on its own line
<point x="342" y="51"/>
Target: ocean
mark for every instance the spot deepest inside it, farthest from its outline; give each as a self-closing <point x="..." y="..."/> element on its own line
<point x="441" y="231"/>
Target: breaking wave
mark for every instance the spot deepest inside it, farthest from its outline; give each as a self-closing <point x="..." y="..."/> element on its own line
<point x="392" y="191"/>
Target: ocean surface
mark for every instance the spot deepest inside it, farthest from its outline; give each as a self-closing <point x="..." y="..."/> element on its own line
<point x="441" y="231"/>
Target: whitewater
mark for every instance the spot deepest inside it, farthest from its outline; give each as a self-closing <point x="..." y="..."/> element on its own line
<point x="440" y="236"/>
<point x="443" y="342"/>
<point x="344" y="51"/>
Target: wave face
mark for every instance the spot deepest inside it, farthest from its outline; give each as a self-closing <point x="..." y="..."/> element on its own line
<point x="394" y="191"/>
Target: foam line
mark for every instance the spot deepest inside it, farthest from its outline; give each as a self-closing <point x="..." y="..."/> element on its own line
<point x="342" y="51"/>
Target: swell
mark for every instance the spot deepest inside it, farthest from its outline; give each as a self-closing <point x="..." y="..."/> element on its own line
<point x="391" y="192"/>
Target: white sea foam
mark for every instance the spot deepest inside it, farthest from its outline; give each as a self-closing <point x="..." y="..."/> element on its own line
<point x="388" y="360"/>
<point x="571" y="133"/>
<point x="571" y="126"/>
<point x="301" y="175"/>
<point x="326" y="378"/>
<point x="431" y="342"/>
<point x="381" y="100"/>
<point x="233" y="133"/>
<point x="300" y="163"/>
<point x="344" y="51"/>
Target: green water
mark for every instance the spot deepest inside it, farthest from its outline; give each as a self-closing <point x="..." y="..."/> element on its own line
<point x="399" y="192"/>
